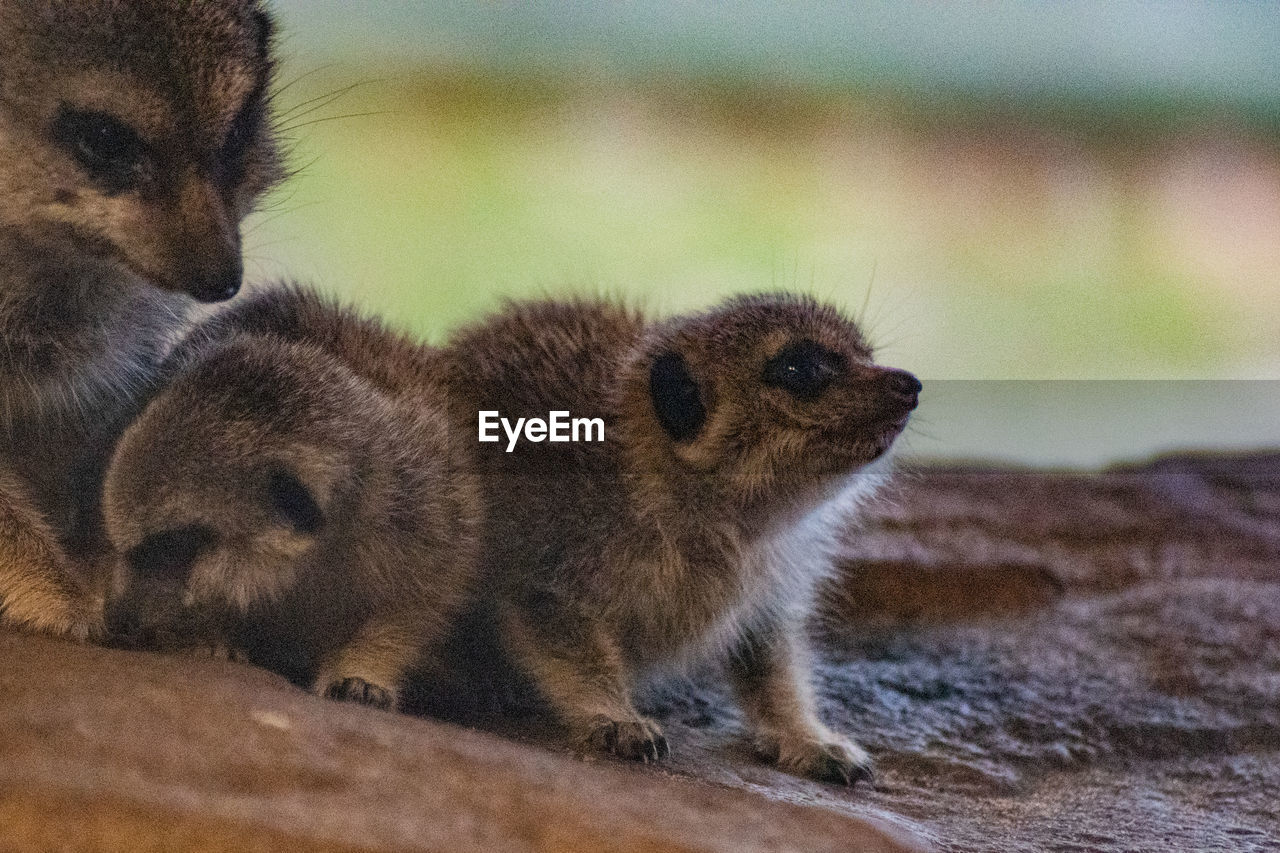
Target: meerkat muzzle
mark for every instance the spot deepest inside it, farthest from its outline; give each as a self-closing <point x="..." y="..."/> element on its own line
<point x="895" y="394"/>
<point x="218" y="283"/>
<point x="903" y="386"/>
<point x="207" y="262"/>
<point x="899" y="392"/>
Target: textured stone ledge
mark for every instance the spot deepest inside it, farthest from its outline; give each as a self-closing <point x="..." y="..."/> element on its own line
<point x="1038" y="661"/>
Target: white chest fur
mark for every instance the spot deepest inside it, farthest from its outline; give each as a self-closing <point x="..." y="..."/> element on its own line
<point x="781" y="569"/>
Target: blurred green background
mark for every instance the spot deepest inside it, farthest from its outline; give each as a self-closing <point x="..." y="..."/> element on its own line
<point x="1007" y="190"/>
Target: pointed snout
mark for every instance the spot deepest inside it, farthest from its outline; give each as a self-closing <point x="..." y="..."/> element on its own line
<point x="901" y="388"/>
<point x="218" y="282"/>
<point x="134" y="618"/>
<point x="205" y="249"/>
<point x="150" y="617"/>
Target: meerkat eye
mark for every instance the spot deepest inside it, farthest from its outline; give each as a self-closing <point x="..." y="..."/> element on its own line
<point x="804" y="369"/>
<point x="243" y="131"/>
<point x="107" y="148"/>
<point x="294" y="502"/>
<point x="171" y="553"/>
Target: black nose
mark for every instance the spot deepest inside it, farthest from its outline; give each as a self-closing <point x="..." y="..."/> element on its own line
<point x="903" y="386"/>
<point x="217" y="285"/>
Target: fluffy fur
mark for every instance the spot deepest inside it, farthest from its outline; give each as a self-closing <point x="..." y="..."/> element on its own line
<point x="294" y="495"/>
<point x="737" y="443"/>
<point x="134" y="137"/>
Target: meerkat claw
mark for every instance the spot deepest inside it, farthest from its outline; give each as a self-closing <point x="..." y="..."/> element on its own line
<point x="836" y="763"/>
<point x="360" y="692"/>
<point x="634" y="740"/>
<point x="214" y="651"/>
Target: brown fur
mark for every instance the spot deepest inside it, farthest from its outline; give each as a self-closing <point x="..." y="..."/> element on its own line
<point x="295" y="495"/>
<point x="87" y="264"/>
<point x="680" y="537"/>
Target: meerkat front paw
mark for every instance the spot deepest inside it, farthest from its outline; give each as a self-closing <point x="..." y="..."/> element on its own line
<point x="360" y="692"/>
<point x="639" y="739"/>
<point x="215" y="651"/>
<point x="827" y="758"/>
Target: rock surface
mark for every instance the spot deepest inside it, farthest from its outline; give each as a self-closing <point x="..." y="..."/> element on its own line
<point x="1073" y="663"/>
<point x="107" y="750"/>
<point x="1038" y="662"/>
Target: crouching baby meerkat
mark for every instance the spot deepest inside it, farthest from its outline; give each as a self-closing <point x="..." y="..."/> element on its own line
<point x="736" y="444"/>
<point x="291" y="495"/>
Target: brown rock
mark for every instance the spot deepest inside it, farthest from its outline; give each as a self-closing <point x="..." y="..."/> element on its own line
<point x="112" y="751"/>
<point x="1038" y="662"/>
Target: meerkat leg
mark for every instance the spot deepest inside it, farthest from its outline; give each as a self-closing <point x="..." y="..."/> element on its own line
<point x="770" y="671"/>
<point x="580" y="670"/>
<point x="370" y="669"/>
<point x="37" y="591"/>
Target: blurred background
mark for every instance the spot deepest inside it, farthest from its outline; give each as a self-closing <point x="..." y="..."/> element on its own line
<point x="1004" y="191"/>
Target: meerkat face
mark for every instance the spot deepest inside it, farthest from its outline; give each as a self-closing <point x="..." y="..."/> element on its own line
<point x="217" y="495"/>
<point x="137" y="132"/>
<point x="200" y="548"/>
<point x="135" y="135"/>
<point x="774" y="393"/>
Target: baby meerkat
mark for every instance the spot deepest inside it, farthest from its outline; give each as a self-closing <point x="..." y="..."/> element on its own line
<point x="737" y="444"/>
<point x="135" y="136"/>
<point x="294" y="499"/>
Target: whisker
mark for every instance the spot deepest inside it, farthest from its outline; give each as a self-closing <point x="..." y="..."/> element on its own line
<point x="295" y="171"/>
<point x="292" y="127"/>
<point x="261" y="222"/>
<point x="866" y="299"/>
<point x="313" y="104"/>
<point x="280" y="90"/>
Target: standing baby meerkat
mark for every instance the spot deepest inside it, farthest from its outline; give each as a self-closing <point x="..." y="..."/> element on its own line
<point x="737" y="444"/>
<point x="135" y="136"/>
<point x="293" y="495"/>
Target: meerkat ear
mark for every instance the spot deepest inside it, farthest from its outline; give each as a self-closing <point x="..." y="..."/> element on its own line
<point x="294" y="502"/>
<point x="677" y="400"/>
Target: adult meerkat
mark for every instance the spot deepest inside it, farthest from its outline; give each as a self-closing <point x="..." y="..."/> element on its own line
<point x="294" y="495"/>
<point x="737" y="442"/>
<point x="134" y="138"/>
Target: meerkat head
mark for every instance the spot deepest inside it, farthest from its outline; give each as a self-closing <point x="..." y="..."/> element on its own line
<point x="765" y="396"/>
<point x="218" y="492"/>
<point x="135" y="135"/>
<point x="138" y="131"/>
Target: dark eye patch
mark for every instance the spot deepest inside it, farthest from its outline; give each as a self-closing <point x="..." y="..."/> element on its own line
<point x="677" y="400"/>
<point x="170" y="554"/>
<point x="247" y="126"/>
<point x="111" y="152"/>
<point x="244" y="130"/>
<point x="293" y="501"/>
<point x="804" y="369"/>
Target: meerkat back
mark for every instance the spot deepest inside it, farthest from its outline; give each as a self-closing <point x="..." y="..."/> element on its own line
<point x="391" y="362"/>
<point x="529" y="361"/>
<point x="272" y="500"/>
